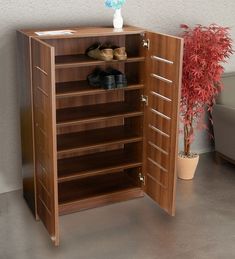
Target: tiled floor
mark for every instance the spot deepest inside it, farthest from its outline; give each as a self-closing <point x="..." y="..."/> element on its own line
<point x="204" y="225"/>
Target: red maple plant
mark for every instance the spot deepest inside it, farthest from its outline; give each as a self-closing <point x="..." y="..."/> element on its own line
<point x="205" y="49"/>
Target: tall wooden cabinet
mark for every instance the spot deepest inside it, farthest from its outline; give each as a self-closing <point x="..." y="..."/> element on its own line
<point x="84" y="147"/>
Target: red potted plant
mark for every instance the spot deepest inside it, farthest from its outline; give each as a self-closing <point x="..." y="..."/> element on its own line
<point x="205" y="49"/>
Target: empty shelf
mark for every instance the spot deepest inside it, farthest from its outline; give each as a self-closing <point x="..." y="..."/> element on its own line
<point x="92" y="113"/>
<point x="96" y="191"/>
<point x="87" y="140"/>
<point x="102" y="163"/>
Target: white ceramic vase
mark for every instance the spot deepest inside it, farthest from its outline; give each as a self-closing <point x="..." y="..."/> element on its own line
<point x="186" y="167"/>
<point x="117" y="19"/>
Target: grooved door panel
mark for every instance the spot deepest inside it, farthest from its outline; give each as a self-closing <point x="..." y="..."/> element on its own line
<point x="163" y="77"/>
<point x="43" y="72"/>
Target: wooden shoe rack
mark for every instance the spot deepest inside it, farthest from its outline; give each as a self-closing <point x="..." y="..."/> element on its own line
<point x="84" y="147"/>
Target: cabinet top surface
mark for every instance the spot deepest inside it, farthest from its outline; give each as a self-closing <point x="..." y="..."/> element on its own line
<point x="82" y="32"/>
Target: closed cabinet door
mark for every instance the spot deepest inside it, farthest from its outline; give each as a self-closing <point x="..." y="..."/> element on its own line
<point x="163" y="82"/>
<point x="44" y="109"/>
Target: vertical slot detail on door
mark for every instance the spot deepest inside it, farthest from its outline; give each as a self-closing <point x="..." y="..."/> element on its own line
<point x="157" y="165"/>
<point x="160" y="96"/>
<point x="41" y="70"/>
<point x="161" y="78"/>
<point x="158" y="148"/>
<point x="44" y="205"/>
<point x="160" y="114"/>
<point x="153" y="57"/>
<point x="156" y="181"/>
<point x="42" y="91"/>
<point x="44" y="187"/>
<point x="159" y="131"/>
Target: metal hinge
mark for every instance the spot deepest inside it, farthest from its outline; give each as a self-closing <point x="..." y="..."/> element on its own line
<point x="144" y="99"/>
<point x="146" y="43"/>
<point x="142" y="178"/>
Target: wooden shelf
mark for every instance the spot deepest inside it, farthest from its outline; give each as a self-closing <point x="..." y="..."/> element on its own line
<point x="102" y="163"/>
<point x="70" y="61"/>
<point x="96" y="191"/>
<point x="82" y="88"/>
<point x="93" y="113"/>
<point x="88" y="140"/>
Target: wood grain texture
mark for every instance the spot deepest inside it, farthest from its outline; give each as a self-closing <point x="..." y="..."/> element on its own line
<point x="75" y="74"/>
<point x="98" y="112"/>
<point x="101" y="200"/>
<point x="81" y="88"/>
<point x="83" y="32"/>
<point x="77" y="61"/>
<point x="43" y="68"/>
<point x="102" y="163"/>
<point x="75" y="46"/>
<point x="164" y="61"/>
<point x="91" y="100"/>
<point x="97" y="191"/>
<point x="26" y="117"/>
<point x="93" y="139"/>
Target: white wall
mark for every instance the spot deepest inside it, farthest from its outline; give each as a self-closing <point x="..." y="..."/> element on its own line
<point x="163" y="16"/>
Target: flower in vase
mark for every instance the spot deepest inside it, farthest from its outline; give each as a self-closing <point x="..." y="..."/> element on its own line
<point x="115" y="4"/>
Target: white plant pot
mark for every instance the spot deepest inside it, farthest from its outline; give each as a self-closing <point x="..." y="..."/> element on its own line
<point x="117" y="19"/>
<point x="187" y="166"/>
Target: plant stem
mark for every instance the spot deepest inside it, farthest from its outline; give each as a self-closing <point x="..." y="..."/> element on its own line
<point x="188" y="133"/>
<point x="186" y="141"/>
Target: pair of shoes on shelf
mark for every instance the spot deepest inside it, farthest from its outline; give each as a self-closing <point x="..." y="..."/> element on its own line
<point x="109" y="79"/>
<point x="106" y="52"/>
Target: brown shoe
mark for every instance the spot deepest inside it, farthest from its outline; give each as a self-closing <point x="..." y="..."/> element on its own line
<point x="120" y="53"/>
<point x="96" y="52"/>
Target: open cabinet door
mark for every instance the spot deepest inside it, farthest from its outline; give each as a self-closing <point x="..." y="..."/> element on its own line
<point x="163" y="77"/>
<point x="44" y="106"/>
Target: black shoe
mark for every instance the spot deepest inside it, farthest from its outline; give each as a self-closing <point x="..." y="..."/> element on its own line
<point x="99" y="78"/>
<point x="94" y="78"/>
<point x="120" y="78"/>
<point x="107" y="80"/>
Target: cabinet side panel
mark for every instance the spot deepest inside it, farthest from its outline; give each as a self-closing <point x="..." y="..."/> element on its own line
<point x="26" y="118"/>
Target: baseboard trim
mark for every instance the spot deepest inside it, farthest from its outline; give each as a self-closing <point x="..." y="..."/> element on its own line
<point x="204" y="150"/>
<point x="228" y="74"/>
<point x="12" y="190"/>
<point x="220" y="156"/>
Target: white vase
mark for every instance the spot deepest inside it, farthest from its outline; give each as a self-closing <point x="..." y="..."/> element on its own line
<point x="117" y="19"/>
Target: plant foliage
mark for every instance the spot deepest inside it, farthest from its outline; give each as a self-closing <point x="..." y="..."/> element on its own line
<point x="205" y="49"/>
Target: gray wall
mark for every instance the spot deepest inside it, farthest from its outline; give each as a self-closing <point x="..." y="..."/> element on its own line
<point x="162" y="16"/>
